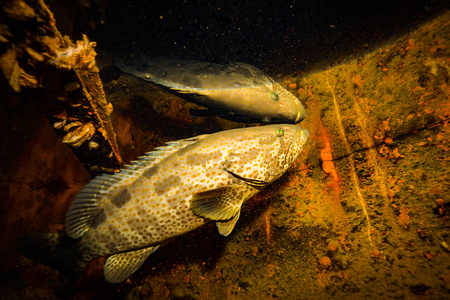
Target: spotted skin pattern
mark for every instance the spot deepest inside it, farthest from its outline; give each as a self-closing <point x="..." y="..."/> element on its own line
<point x="177" y="189"/>
<point x="238" y="89"/>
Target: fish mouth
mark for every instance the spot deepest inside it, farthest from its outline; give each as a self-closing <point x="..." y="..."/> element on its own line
<point x="301" y="113"/>
<point x="292" y="113"/>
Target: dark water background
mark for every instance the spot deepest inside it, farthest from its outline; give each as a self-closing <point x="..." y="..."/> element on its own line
<point x="288" y="36"/>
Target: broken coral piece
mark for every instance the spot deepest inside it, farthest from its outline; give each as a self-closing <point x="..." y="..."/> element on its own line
<point x="80" y="57"/>
<point x="37" y="58"/>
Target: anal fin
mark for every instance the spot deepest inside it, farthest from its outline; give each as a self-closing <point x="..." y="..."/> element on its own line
<point x="119" y="267"/>
<point x="226" y="227"/>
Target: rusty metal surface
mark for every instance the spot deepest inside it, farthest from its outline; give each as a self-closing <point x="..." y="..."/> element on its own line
<point x="363" y="212"/>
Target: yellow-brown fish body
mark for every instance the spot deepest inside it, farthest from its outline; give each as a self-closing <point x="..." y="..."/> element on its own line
<point x="176" y="189"/>
<point x="234" y="91"/>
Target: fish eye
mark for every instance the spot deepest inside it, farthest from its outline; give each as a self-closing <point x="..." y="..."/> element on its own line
<point x="147" y="76"/>
<point x="280" y="132"/>
<point x="274" y="96"/>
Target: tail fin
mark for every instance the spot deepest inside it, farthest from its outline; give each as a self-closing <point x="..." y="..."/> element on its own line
<point x="55" y="250"/>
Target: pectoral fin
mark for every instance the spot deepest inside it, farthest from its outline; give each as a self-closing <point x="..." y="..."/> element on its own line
<point x="222" y="203"/>
<point x="226" y="227"/>
<point x="120" y="266"/>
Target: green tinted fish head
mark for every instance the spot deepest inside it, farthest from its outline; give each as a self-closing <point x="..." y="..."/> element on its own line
<point x="298" y="142"/>
<point x="288" y="108"/>
<point x="289" y="143"/>
<point x="254" y="94"/>
<point x="266" y="152"/>
<point x="264" y="101"/>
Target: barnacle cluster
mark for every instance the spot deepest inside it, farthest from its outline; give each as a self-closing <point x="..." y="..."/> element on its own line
<point x="76" y="132"/>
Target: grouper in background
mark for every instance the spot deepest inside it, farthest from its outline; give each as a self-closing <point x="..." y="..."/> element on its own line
<point x="166" y="193"/>
<point x="235" y="91"/>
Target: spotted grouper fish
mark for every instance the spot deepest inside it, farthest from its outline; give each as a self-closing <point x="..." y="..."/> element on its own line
<point x="166" y="193"/>
<point x="235" y="91"/>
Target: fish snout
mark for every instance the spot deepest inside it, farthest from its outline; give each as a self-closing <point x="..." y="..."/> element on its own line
<point x="304" y="134"/>
<point x="293" y="110"/>
<point x="300" y="139"/>
<point x="289" y="112"/>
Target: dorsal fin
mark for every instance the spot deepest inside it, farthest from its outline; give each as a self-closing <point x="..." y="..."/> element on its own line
<point x="231" y="76"/>
<point x="87" y="204"/>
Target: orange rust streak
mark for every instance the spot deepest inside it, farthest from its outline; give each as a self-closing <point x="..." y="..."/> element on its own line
<point x="332" y="195"/>
<point x="267" y="216"/>
<point x="351" y="160"/>
<point x="325" y="155"/>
